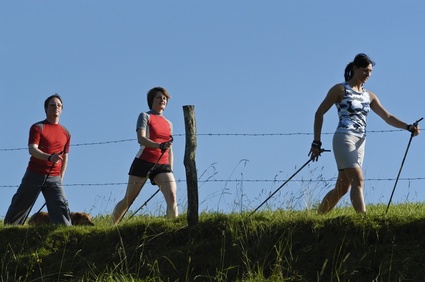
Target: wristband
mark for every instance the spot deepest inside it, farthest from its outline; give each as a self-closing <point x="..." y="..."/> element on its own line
<point x="49" y="157"/>
<point x="316" y="144"/>
<point x="408" y="127"/>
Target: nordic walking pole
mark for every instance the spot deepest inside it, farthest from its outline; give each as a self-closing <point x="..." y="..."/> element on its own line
<point x="147" y="177"/>
<point x="144" y="204"/>
<point x="402" y="163"/>
<point x="322" y="150"/>
<point x="143" y="184"/>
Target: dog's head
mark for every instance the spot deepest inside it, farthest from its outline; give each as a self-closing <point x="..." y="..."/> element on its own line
<point x="81" y="218"/>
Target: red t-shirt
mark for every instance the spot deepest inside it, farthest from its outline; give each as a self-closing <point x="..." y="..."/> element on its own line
<point x="50" y="138"/>
<point x="159" y="130"/>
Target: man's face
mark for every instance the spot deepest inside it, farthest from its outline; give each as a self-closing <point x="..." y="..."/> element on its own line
<point x="54" y="107"/>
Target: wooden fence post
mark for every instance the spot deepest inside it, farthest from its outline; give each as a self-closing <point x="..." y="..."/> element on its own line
<point x="190" y="165"/>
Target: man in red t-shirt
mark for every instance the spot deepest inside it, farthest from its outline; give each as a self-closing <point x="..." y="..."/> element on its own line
<point x="48" y="146"/>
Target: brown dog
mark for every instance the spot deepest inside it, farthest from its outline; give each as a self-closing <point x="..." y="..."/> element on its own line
<point x="77" y="218"/>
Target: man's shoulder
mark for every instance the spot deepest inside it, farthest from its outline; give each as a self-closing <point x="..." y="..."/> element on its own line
<point x="40" y="125"/>
<point x="66" y="130"/>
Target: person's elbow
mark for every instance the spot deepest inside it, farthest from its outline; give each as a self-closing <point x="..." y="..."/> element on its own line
<point x="142" y="140"/>
<point x="32" y="149"/>
<point x="319" y="115"/>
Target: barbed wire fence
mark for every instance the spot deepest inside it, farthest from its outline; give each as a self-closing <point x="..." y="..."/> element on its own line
<point x="204" y="134"/>
<point x="238" y="181"/>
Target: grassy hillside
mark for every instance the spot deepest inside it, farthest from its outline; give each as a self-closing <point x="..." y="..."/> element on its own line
<point x="267" y="246"/>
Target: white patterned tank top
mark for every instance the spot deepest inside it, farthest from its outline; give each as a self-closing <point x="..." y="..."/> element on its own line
<point x="352" y="111"/>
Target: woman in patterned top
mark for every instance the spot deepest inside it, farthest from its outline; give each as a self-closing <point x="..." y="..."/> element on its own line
<point x="353" y="103"/>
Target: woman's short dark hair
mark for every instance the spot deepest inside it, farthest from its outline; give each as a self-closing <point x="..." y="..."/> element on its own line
<point x="152" y="93"/>
<point x="361" y="61"/>
<point x="46" y="102"/>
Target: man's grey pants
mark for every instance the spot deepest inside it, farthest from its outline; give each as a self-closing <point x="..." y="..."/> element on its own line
<point x="26" y="195"/>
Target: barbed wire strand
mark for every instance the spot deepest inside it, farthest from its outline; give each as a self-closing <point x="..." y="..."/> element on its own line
<point x="204" y="134"/>
<point x="216" y="180"/>
<point x="234" y="180"/>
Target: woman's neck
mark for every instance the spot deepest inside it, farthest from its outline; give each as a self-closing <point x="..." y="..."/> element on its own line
<point x="355" y="85"/>
<point x="157" y="112"/>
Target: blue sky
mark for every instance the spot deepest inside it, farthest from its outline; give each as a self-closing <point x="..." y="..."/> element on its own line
<point x="255" y="72"/>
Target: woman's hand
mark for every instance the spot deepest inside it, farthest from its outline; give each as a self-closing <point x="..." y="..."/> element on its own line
<point x="164" y="146"/>
<point x="414" y="129"/>
<point x="314" y="154"/>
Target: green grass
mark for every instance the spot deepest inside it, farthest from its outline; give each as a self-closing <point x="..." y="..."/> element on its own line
<point x="267" y="246"/>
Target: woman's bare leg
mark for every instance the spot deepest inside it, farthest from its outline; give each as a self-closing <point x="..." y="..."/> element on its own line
<point x="332" y="197"/>
<point x="350" y="177"/>
<point x="167" y="184"/>
<point x="357" y="186"/>
<point x="134" y="186"/>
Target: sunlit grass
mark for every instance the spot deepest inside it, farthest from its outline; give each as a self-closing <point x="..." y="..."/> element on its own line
<point x="269" y="245"/>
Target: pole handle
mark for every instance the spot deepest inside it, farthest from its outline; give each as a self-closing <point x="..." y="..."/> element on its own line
<point x="416" y="124"/>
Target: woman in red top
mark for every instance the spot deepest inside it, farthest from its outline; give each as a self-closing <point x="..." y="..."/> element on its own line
<point x="154" y="160"/>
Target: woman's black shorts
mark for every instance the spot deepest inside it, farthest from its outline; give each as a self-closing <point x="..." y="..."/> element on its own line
<point x="142" y="168"/>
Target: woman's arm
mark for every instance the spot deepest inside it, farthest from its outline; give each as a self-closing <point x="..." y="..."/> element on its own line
<point x="335" y="94"/>
<point x="144" y="141"/>
<point x="377" y="107"/>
